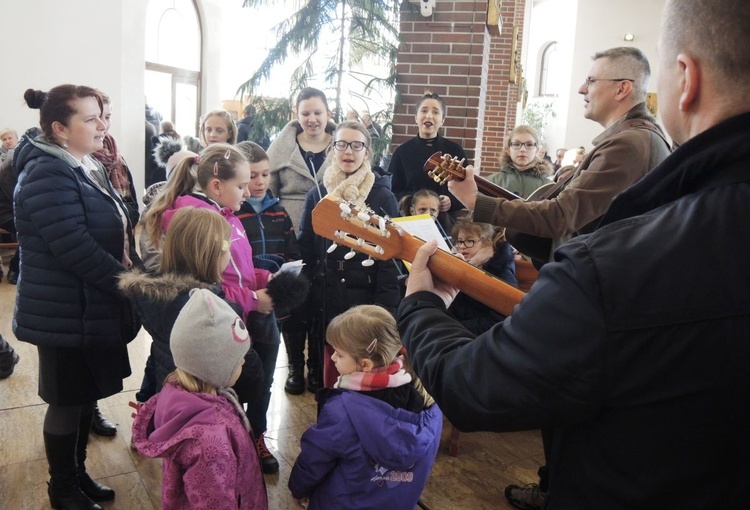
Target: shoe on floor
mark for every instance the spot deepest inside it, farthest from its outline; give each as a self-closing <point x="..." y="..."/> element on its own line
<point x="4" y="374"/>
<point x="268" y="462"/>
<point x="13" y="277"/>
<point x="526" y="497"/>
<point x="101" y="425"/>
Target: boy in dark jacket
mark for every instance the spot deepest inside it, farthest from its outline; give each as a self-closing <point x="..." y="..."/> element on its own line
<point x="271" y="234"/>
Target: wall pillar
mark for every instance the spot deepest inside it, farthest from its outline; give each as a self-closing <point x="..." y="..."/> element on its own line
<point x="453" y="54"/>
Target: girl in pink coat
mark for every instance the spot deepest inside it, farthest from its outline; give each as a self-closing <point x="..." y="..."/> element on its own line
<point x="196" y="423"/>
<point x="217" y="180"/>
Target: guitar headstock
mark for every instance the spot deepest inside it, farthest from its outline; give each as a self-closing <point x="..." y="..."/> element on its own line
<point x="362" y="231"/>
<point x="444" y="167"/>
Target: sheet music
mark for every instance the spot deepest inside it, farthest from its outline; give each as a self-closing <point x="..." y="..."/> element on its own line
<point x="423" y="227"/>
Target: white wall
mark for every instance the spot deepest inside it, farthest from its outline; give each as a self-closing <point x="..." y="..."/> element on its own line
<point x="85" y="42"/>
<point x="589" y="26"/>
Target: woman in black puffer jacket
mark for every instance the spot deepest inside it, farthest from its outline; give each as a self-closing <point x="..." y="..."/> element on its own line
<point x="74" y="236"/>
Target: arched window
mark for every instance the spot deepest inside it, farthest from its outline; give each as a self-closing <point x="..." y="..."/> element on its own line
<point x="548" y="70"/>
<point x="173" y="62"/>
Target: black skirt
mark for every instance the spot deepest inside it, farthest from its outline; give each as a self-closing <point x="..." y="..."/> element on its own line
<point x="72" y="376"/>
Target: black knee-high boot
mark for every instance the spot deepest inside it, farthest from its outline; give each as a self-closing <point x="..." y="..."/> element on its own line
<point x="294" y="341"/>
<point x="64" y="489"/>
<point x="89" y="486"/>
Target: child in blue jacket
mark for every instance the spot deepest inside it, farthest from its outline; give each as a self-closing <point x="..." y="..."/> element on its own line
<point x="378" y="430"/>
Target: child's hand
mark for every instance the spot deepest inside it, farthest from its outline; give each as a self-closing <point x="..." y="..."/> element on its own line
<point x="445" y="203"/>
<point x="265" y="303"/>
<point x="481" y="257"/>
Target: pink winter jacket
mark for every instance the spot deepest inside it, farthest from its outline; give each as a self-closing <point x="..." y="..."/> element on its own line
<point x="209" y="458"/>
<point x="240" y="279"/>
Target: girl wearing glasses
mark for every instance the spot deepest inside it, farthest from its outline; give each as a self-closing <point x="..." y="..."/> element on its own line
<point x="339" y="282"/>
<point x="484" y="246"/>
<point x="523" y="171"/>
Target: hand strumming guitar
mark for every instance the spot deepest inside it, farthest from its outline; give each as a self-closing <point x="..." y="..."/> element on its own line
<point x="420" y="277"/>
<point x="466" y="190"/>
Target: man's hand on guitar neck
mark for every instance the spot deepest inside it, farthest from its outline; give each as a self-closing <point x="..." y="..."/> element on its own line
<point x="420" y="277"/>
<point x="466" y="190"/>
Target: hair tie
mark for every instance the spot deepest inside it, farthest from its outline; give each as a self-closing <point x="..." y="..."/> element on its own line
<point x="372" y="346"/>
<point x="402" y="351"/>
<point x="196" y="160"/>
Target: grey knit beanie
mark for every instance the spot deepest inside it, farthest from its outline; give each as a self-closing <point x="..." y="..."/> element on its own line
<point x="209" y="340"/>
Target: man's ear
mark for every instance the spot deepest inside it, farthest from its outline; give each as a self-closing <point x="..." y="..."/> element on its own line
<point x="366" y="365"/>
<point x="690" y="76"/>
<point x="625" y="88"/>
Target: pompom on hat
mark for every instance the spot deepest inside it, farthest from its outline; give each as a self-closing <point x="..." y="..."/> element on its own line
<point x="209" y="340"/>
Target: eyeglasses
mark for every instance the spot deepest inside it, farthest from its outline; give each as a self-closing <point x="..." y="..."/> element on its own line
<point x="469" y="243"/>
<point x="589" y="80"/>
<point x="341" y="145"/>
<point x="518" y="145"/>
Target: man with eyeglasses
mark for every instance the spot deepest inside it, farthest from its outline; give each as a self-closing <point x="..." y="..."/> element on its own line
<point x="634" y="345"/>
<point x="614" y="95"/>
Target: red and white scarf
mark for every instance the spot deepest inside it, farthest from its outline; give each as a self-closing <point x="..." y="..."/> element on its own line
<point x="379" y="378"/>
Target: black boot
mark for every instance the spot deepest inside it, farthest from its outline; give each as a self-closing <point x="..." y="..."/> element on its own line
<point x="89" y="486"/>
<point x="314" y="363"/>
<point x="294" y="340"/>
<point x="64" y="490"/>
<point x="102" y="426"/>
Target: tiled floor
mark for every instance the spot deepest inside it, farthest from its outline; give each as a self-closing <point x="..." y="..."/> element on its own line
<point x="474" y="479"/>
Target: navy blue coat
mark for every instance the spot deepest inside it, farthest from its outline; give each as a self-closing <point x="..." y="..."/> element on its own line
<point x="71" y="239"/>
<point x="339" y="284"/>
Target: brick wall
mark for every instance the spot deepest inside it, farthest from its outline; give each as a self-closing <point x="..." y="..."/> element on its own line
<point x="452" y="54"/>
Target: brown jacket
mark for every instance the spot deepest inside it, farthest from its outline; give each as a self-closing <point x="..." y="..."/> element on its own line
<point x="622" y="154"/>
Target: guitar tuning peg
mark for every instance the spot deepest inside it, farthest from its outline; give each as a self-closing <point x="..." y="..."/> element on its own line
<point x="379" y="250"/>
<point x="360" y="242"/>
<point x="345" y="208"/>
<point x="363" y="216"/>
<point x="368" y="262"/>
<point x="332" y="248"/>
<point x="350" y="255"/>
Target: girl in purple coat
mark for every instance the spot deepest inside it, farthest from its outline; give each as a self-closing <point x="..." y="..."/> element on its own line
<point x="378" y="430"/>
<point x="196" y="423"/>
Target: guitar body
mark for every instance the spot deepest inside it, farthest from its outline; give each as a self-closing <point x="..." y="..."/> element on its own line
<point x="382" y="239"/>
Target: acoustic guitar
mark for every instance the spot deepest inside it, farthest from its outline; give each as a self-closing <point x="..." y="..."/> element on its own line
<point x="443" y="168"/>
<point x="382" y="239"/>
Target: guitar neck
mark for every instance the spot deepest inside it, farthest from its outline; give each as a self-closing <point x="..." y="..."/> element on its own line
<point x="382" y="239"/>
<point x="491" y="189"/>
<point x="482" y="286"/>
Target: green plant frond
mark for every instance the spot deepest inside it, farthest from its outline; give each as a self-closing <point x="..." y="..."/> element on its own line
<point x="362" y="34"/>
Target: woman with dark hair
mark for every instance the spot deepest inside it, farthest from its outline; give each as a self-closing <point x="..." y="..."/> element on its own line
<point x="297" y="158"/>
<point x="298" y="154"/>
<point x="75" y="239"/>
<point x="409" y="158"/>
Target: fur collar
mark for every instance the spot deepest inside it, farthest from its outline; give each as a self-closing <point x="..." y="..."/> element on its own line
<point x="159" y="287"/>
